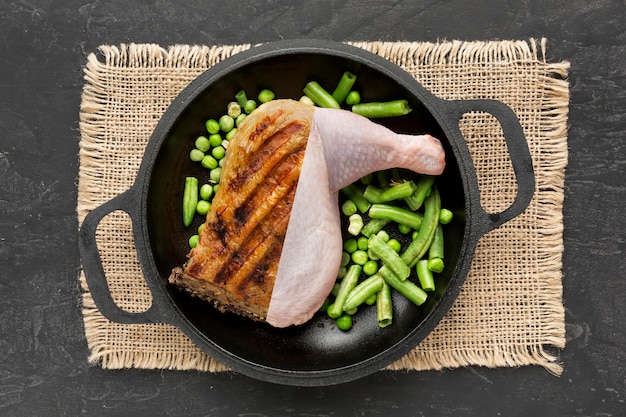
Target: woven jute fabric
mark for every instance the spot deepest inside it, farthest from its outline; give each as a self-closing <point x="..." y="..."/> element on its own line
<point x="510" y="310"/>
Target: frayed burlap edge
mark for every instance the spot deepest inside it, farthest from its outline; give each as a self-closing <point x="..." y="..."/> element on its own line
<point x="554" y="131"/>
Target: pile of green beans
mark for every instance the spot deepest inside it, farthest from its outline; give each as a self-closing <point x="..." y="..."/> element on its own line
<point x="375" y="209"/>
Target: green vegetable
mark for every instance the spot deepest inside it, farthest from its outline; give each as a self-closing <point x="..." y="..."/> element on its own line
<point x="384" y="307"/>
<point x="203" y="207"/>
<point x="397" y="192"/>
<point x="215" y="174"/>
<point x="354" y="193"/>
<point x="196" y="155"/>
<point x="362" y="243"/>
<point x="215" y="139"/>
<point x="359" y="257"/>
<point x="218" y="152"/>
<point x="193" y="241"/>
<point x="355" y="224"/>
<point x="353" y="97"/>
<point x="374" y="226"/>
<point x="241" y="97"/>
<point x="390" y="257"/>
<point x="212" y="126"/>
<point x="370" y="267"/>
<point x="324" y="305"/>
<point x="436" y="247"/>
<point x="202" y="143"/>
<point x="348" y="208"/>
<point x="226" y="123"/>
<point x="425" y="275"/>
<point x="345" y="258"/>
<point x="230" y="134"/>
<point x="266" y="95"/>
<point x="350" y="245"/>
<point x="405" y="287"/>
<point x="249" y="107"/>
<point x="344" y="86"/>
<point x="233" y="109"/>
<point x="445" y="216"/>
<point x="436" y="265"/>
<point x="239" y="119"/>
<point x="405" y="230"/>
<point x="387" y="109"/>
<point x="209" y="162"/>
<point x="363" y="291"/>
<point x="190" y="200"/>
<point x="344" y="322"/>
<point x="347" y="284"/>
<point x="206" y="192"/>
<point x="321" y="97"/>
<point x="396" y="214"/>
<point x="422" y="190"/>
<point x="367" y="179"/>
<point x="418" y="247"/>
<point x="394" y="244"/>
<point x="373" y="194"/>
<point x="307" y="101"/>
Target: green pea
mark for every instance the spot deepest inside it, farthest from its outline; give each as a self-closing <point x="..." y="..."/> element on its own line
<point x="394" y="244"/>
<point x="345" y="258"/>
<point x="196" y="155"/>
<point x="203" y="207"/>
<point x="266" y="95"/>
<point x="370" y="267"/>
<point x="212" y="126"/>
<point x="348" y="208"/>
<point x="330" y="313"/>
<point x="193" y="241"/>
<point x="206" y="191"/>
<point x="239" y="119"/>
<point x="209" y="162"/>
<point x="344" y="322"/>
<point x="362" y="243"/>
<point x="359" y="257"/>
<point x="350" y="245"/>
<point x="215" y="174"/>
<point x="218" y="152"/>
<point x="226" y="123"/>
<point x="404" y="229"/>
<point x="250" y="106"/>
<point x="353" y="97"/>
<point x="230" y="134"/>
<point x="202" y="143"/>
<point x="215" y="139"/>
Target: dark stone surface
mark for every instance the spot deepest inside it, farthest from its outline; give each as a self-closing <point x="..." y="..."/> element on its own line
<point x="43" y="360"/>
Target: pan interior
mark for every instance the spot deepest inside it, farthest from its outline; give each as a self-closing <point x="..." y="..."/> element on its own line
<point x="317" y="345"/>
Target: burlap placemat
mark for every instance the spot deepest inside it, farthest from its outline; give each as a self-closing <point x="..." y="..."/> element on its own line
<point x="510" y="311"/>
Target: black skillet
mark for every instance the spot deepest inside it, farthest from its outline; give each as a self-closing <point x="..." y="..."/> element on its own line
<point x="316" y="353"/>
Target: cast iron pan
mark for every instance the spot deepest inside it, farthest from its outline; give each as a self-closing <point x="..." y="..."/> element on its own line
<point x="316" y="353"/>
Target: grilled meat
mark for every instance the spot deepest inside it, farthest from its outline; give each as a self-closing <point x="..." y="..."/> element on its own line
<point x="271" y="245"/>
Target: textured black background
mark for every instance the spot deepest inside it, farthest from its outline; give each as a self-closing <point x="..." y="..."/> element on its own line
<point x="43" y="354"/>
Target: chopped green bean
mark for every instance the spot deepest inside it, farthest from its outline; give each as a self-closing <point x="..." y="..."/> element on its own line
<point x="384" y="307"/>
<point x="373" y="194"/>
<point x="436" y="264"/>
<point x="354" y="193"/>
<point x="407" y="288"/>
<point x="418" y="247"/>
<point x="422" y="190"/>
<point x="190" y="200"/>
<point x="321" y="97"/>
<point x="363" y="291"/>
<point x="436" y="247"/>
<point x="344" y="86"/>
<point x="387" y="109"/>
<point x="374" y="226"/>
<point x="397" y="192"/>
<point x="389" y="256"/>
<point x="347" y="284"/>
<point x="396" y="214"/>
<point x="241" y="97"/>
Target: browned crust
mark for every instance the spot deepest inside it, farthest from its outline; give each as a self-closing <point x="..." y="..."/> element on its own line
<point x="236" y="261"/>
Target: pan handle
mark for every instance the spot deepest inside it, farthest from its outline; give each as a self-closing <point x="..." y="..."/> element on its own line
<point x="520" y="159"/>
<point x="94" y="272"/>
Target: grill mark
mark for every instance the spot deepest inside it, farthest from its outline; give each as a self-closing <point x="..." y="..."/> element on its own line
<point x="278" y="183"/>
<point x="253" y="249"/>
<point x="273" y="145"/>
